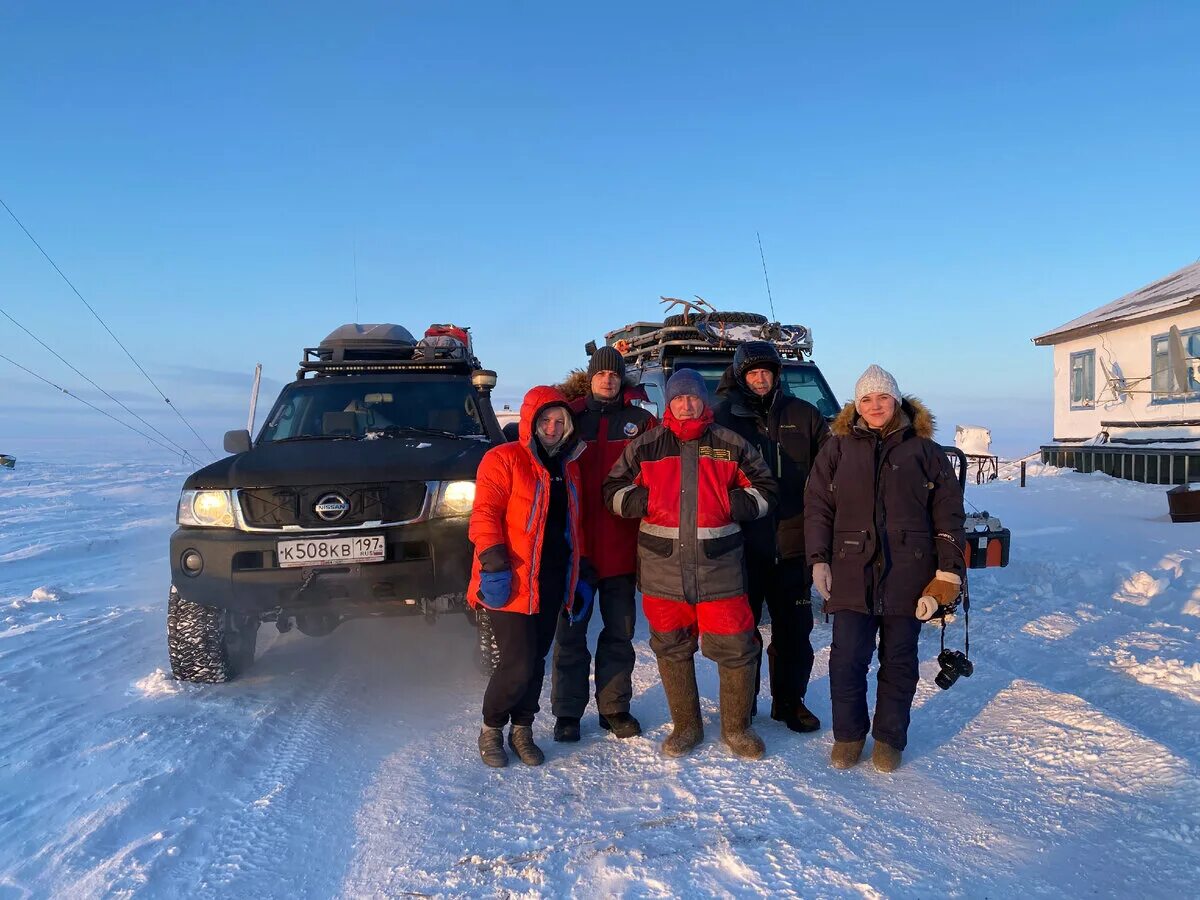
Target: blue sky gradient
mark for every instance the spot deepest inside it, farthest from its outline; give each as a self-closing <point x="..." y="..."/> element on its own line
<point x="934" y="184"/>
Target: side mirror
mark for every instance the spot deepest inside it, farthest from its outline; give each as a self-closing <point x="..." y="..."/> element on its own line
<point x="237" y="441"/>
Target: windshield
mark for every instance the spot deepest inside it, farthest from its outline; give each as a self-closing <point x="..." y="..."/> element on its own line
<point x="803" y="381"/>
<point x="361" y="407"/>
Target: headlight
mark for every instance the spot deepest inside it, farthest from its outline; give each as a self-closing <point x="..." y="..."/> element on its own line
<point x="212" y="509"/>
<point x="455" y="498"/>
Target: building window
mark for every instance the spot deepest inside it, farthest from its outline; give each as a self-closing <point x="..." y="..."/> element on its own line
<point x="1162" y="379"/>
<point x="1083" y="379"/>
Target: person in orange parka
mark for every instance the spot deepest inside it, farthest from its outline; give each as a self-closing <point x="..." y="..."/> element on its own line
<point x="526" y="528"/>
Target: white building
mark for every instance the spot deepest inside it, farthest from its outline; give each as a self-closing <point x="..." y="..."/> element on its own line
<point x="1118" y="407"/>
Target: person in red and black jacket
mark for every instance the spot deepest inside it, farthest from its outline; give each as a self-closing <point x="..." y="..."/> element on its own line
<point x="691" y="482"/>
<point x="606" y="421"/>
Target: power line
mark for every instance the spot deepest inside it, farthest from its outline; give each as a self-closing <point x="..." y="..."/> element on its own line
<point x="75" y="290"/>
<point x="103" y="412"/>
<point x="93" y="384"/>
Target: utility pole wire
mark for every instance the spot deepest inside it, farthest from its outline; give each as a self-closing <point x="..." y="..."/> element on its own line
<point x="92" y="383"/>
<point x="102" y="412"/>
<point x="75" y="290"/>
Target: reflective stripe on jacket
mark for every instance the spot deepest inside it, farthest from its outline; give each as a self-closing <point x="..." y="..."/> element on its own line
<point x="691" y="483"/>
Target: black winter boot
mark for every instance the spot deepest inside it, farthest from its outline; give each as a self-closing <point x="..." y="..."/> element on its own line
<point x="683" y="698"/>
<point x="796" y="716"/>
<point x="491" y="747"/>
<point x="566" y="730"/>
<point x="622" y="724"/>
<point x="520" y="738"/>
<point x="737" y="686"/>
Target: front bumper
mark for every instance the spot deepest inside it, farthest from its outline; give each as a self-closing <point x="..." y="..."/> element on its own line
<point x="428" y="566"/>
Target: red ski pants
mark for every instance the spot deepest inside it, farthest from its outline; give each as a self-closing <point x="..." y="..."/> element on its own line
<point x="727" y="627"/>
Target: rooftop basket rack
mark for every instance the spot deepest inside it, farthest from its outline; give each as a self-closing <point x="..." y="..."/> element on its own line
<point x="704" y="328"/>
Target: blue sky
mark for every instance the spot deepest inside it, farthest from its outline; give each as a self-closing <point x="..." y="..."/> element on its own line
<point x="934" y="184"/>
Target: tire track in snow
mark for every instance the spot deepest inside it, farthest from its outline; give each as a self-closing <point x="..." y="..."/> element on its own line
<point x="267" y="826"/>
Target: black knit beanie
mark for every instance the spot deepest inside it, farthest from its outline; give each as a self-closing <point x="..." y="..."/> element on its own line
<point x="606" y="359"/>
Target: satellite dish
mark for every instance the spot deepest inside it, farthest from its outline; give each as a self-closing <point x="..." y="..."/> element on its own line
<point x="1121" y="386"/>
<point x="1177" y="361"/>
<point x="1114" y="380"/>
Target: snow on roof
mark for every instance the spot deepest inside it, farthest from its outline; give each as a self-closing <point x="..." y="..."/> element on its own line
<point x="1176" y="291"/>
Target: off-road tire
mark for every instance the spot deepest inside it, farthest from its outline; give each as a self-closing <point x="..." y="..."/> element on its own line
<point x="487" y="655"/>
<point x="733" y="318"/>
<point x="208" y="645"/>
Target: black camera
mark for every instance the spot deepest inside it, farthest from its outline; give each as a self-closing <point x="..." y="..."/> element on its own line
<point x="953" y="663"/>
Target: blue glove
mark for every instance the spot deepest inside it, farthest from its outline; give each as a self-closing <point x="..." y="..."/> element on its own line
<point x="494" y="588"/>
<point x="581" y="604"/>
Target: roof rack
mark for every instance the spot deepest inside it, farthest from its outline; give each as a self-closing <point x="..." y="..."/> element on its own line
<point x="705" y="330"/>
<point x="372" y="349"/>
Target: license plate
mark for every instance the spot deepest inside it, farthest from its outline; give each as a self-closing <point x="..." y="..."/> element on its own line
<point x="336" y="551"/>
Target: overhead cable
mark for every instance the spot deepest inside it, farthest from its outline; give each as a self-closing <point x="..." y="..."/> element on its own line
<point x="104" y="412"/>
<point x="92" y="383"/>
<point x="75" y="290"/>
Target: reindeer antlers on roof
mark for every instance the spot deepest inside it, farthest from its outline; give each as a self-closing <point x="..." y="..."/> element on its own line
<point x="701" y="308"/>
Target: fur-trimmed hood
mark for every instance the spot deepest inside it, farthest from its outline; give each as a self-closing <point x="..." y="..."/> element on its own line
<point x="577" y="384"/>
<point x="922" y="420"/>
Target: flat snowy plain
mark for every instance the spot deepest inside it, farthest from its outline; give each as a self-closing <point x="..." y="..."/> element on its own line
<point x="346" y="766"/>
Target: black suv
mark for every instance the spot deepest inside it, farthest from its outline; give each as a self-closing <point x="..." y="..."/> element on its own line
<point x="705" y="339"/>
<point x="352" y="501"/>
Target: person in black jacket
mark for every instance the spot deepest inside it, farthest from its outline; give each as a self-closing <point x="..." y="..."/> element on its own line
<point x="788" y="432"/>
<point x="883" y="522"/>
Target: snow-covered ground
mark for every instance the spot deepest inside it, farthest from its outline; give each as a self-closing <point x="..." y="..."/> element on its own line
<point x="346" y="766"/>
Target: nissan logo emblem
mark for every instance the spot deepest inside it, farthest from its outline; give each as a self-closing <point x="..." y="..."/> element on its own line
<point x="332" y="507"/>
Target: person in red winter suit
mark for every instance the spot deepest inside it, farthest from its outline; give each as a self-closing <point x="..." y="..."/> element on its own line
<point x="692" y="483"/>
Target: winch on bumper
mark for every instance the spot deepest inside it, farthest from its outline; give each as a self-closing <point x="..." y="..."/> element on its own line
<point x="425" y="569"/>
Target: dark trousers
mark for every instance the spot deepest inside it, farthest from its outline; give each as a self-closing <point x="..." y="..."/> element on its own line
<point x="523" y="642"/>
<point x="785" y="588"/>
<point x="614" y="654"/>
<point x="854" y="635"/>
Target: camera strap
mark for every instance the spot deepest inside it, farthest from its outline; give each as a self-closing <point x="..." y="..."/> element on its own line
<point x="966" y="606"/>
<point x="966" y="617"/>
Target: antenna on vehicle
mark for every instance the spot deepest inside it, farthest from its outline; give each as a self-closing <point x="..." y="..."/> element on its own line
<point x="763" y="257"/>
<point x="254" y="397"/>
<point x="356" y="319"/>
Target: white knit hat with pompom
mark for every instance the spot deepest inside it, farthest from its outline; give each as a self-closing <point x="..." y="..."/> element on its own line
<point x="876" y="380"/>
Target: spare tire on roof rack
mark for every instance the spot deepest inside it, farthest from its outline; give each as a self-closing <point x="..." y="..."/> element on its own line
<point x="732" y="318"/>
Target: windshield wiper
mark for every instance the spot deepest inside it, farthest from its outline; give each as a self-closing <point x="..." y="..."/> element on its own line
<point x="315" y="437"/>
<point x="394" y="430"/>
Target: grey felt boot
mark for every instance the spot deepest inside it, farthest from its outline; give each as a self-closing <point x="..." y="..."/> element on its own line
<point x="683" y="697"/>
<point x="737" y="695"/>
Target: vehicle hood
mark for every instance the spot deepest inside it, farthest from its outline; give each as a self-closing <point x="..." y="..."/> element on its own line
<point x="303" y="463"/>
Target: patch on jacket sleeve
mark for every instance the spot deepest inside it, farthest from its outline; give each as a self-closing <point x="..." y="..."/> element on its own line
<point x="715" y="452"/>
<point x="630" y="429"/>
